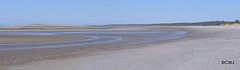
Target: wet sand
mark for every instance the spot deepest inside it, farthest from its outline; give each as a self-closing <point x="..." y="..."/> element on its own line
<point x="13" y="39"/>
<point x="22" y="56"/>
<point x="70" y="29"/>
<point x="203" y="48"/>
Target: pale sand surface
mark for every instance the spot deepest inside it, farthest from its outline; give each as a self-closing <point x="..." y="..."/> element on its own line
<point x="203" y="49"/>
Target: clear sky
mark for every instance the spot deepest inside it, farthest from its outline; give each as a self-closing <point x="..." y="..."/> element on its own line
<point x="97" y="12"/>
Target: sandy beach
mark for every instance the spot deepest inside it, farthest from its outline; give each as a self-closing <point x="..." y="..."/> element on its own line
<point x="119" y="35"/>
<point x="203" y="48"/>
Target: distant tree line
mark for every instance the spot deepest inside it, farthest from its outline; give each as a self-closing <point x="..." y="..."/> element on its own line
<point x="237" y="21"/>
<point x="210" y="23"/>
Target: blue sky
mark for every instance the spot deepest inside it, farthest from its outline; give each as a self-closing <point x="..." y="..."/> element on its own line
<point x="99" y="12"/>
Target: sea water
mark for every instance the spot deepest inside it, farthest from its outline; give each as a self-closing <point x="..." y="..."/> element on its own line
<point x="132" y="37"/>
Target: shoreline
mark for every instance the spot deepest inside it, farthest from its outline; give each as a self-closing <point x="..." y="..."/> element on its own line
<point x="197" y="48"/>
<point x="92" y="39"/>
<point x="17" y="39"/>
<point x="75" y="52"/>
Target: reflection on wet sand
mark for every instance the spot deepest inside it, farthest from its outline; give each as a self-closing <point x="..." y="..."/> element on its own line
<point x="136" y="37"/>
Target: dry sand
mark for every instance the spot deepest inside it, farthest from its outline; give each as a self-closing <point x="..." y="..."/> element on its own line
<point x="204" y="49"/>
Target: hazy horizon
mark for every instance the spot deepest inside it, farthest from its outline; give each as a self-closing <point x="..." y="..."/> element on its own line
<point x="93" y="12"/>
<point x="125" y="23"/>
